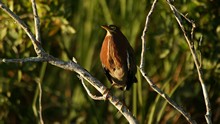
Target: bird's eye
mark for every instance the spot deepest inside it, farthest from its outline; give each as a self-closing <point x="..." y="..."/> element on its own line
<point x="112" y="27"/>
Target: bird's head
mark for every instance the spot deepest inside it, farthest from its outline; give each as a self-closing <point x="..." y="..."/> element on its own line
<point x="111" y="29"/>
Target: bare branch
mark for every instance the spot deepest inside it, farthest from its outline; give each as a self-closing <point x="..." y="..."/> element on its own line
<point x="152" y="85"/>
<point x="39" y="101"/>
<point x="36" y="21"/>
<point x="196" y="60"/>
<point x="143" y="34"/>
<point x="30" y="59"/>
<point x="89" y="93"/>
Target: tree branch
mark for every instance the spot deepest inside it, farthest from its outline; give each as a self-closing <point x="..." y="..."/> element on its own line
<point x="30" y="59"/>
<point x="195" y="59"/>
<point x="36" y="21"/>
<point x="152" y="85"/>
<point x="142" y="63"/>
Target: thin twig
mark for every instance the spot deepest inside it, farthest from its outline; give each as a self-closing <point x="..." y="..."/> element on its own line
<point x="196" y="61"/>
<point x="39" y="101"/>
<point x="152" y="85"/>
<point x="142" y="63"/>
<point x="89" y="93"/>
<point x="36" y="21"/>
<point x="30" y="59"/>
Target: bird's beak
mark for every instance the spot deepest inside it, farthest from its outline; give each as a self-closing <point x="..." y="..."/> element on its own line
<point x="105" y="27"/>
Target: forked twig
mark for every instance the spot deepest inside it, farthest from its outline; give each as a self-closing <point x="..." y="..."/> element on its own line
<point x="89" y="93"/>
<point x="36" y="21"/>
<point x="152" y="85"/>
<point x="195" y="58"/>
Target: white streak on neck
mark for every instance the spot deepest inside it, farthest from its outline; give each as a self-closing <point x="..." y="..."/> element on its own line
<point x="108" y="33"/>
<point x="108" y="51"/>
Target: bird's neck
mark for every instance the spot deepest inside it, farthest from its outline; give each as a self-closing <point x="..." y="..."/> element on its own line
<point x="108" y="34"/>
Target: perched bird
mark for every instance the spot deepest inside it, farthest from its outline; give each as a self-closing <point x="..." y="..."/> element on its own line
<point x="118" y="59"/>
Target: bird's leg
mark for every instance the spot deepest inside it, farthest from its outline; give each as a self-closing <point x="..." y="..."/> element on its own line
<point x="123" y="99"/>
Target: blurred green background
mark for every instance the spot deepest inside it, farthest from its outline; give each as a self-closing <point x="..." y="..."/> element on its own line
<point x="71" y="28"/>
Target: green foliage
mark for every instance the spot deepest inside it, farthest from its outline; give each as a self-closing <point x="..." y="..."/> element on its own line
<point x="72" y="29"/>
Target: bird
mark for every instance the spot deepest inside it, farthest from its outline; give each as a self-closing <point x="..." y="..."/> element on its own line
<point x="118" y="59"/>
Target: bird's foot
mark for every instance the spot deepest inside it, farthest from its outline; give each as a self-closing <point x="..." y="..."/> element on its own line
<point x="106" y="93"/>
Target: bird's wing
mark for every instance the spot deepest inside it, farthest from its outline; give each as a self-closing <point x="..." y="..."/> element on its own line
<point x="131" y="64"/>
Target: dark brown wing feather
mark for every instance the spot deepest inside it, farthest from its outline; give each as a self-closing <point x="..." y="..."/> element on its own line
<point x="132" y="69"/>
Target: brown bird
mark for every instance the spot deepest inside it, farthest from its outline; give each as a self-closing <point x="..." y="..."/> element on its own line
<point x="118" y="59"/>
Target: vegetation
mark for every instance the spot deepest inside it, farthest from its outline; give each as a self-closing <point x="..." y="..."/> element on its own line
<point x="72" y="29"/>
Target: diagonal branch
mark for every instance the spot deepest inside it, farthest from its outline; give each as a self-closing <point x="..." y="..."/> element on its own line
<point x="152" y="85"/>
<point x="195" y="58"/>
<point x="36" y="21"/>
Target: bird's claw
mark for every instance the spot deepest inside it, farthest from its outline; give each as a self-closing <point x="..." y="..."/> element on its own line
<point x="106" y="93"/>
